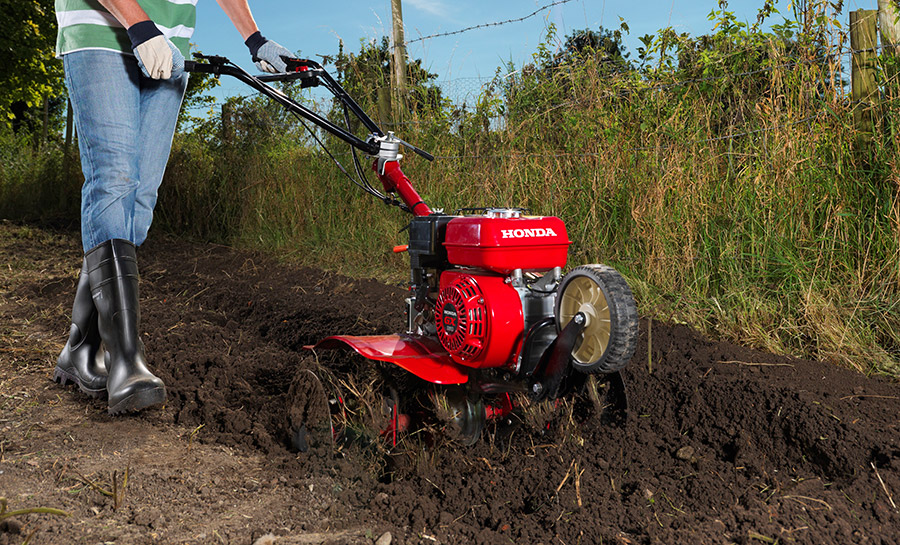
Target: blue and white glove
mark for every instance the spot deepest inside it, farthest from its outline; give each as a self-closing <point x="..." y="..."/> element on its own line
<point x="156" y="55"/>
<point x="267" y="54"/>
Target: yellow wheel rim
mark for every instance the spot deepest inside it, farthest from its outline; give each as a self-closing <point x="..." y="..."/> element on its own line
<point x="584" y="295"/>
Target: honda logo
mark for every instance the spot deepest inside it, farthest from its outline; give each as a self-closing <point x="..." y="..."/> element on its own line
<point x="528" y="233"/>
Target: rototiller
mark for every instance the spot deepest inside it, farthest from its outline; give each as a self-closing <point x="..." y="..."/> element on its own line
<point x="491" y="317"/>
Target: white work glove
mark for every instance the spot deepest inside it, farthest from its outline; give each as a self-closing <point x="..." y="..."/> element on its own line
<point x="157" y="56"/>
<point x="267" y="54"/>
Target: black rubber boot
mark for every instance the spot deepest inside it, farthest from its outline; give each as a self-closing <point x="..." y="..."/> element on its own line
<point x="113" y="275"/>
<point x="81" y="361"/>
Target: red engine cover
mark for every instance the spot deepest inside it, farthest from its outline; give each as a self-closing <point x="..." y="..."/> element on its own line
<point x="502" y="244"/>
<point x="479" y="319"/>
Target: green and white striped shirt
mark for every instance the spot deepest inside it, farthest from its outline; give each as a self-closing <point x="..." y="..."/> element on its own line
<point x="85" y="24"/>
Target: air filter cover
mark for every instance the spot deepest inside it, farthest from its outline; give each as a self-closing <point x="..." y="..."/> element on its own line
<point x="478" y="319"/>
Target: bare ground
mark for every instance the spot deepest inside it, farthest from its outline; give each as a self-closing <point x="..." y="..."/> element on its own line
<point x="723" y="444"/>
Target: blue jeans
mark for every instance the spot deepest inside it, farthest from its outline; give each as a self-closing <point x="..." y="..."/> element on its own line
<point x="125" y="123"/>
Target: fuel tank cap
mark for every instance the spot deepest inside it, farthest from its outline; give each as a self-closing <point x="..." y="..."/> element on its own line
<point x="503" y="212"/>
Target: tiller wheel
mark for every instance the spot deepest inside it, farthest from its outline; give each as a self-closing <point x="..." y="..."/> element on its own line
<point x="461" y="412"/>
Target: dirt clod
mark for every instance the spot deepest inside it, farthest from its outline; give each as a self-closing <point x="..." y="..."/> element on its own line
<point x="11" y="526"/>
<point x="685" y="453"/>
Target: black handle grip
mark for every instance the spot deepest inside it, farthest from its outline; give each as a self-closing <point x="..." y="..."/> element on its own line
<point x="194" y="66"/>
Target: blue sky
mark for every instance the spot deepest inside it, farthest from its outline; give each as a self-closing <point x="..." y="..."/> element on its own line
<point x="316" y="27"/>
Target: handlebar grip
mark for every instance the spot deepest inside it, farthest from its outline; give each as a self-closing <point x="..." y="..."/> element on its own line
<point x="194" y="66"/>
<point x="208" y="68"/>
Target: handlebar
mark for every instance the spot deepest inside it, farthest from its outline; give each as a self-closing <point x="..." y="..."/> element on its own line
<point x="221" y="65"/>
<point x="311" y="74"/>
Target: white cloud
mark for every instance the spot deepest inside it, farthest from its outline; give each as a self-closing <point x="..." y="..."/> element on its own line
<point x="434" y="7"/>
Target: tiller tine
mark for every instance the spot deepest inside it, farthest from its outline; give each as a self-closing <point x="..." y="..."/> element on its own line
<point x="309" y="413"/>
<point x="399" y="422"/>
<point x="612" y="404"/>
<point x="618" y="394"/>
<point x="554" y="364"/>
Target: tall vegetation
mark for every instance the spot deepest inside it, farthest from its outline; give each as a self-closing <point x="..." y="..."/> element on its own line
<point x="27" y="68"/>
<point x="720" y="173"/>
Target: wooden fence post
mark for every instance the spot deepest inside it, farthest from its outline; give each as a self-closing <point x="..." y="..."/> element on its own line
<point x="227" y="131"/>
<point x="398" y="58"/>
<point x="862" y="69"/>
<point x="889" y="28"/>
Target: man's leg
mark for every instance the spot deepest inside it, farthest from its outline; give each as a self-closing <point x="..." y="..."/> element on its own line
<point x="106" y="97"/>
<point x="104" y="100"/>
<point x="160" y="104"/>
<point x="105" y="93"/>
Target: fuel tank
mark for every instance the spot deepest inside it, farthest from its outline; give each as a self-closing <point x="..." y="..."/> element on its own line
<point x="503" y="240"/>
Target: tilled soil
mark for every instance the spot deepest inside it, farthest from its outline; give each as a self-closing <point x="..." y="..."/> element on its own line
<point x="723" y="444"/>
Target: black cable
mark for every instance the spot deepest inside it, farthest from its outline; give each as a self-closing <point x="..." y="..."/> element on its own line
<point x="359" y="171"/>
<point x="365" y="185"/>
<point x="365" y="179"/>
<point x="328" y="152"/>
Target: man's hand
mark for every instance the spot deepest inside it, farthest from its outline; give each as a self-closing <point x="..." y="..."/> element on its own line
<point x="156" y="55"/>
<point x="267" y="54"/>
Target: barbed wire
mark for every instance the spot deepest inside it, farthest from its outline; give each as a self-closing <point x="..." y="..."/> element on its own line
<point x="481" y="83"/>
<point x="486" y="25"/>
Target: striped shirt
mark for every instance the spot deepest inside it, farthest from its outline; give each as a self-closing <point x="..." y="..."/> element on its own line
<point x="85" y="24"/>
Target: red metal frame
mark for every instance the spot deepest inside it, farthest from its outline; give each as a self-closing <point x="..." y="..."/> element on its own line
<point x="502" y="408"/>
<point x="393" y="179"/>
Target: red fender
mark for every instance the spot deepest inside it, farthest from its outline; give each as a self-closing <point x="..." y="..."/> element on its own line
<point x="421" y="356"/>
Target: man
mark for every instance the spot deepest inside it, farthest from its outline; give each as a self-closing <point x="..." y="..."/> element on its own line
<point x="124" y="70"/>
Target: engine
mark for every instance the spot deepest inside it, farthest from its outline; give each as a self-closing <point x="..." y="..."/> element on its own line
<point x="483" y="282"/>
<point x="478" y="318"/>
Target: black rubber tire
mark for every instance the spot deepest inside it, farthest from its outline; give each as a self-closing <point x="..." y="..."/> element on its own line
<point x="618" y="349"/>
